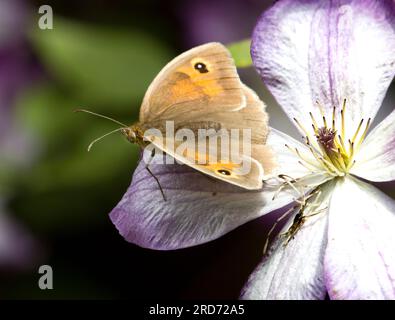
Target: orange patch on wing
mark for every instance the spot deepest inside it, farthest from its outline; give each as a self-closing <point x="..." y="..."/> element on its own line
<point x="204" y="160"/>
<point x="210" y="87"/>
<point x="227" y="166"/>
<point x="185" y="87"/>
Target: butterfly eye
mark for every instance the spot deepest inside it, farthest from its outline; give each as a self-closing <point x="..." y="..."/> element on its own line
<point x="224" y="172"/>
<point x="201" y="67"/>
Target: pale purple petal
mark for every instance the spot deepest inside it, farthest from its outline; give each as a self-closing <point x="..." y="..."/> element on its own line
<point x="360" y="256"/>
<point x="309" y="50"/>
<point x="376" y="159"/>
<point x="198" y="208"/>
<point x="294" y="271"/>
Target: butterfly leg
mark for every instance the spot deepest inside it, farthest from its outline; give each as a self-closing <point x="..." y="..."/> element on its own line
<point x="152" y="174"/>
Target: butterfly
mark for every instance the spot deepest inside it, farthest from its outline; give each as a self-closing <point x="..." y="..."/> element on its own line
<point x="200" y="89"/>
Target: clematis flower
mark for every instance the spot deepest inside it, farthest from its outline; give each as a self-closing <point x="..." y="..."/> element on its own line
<point x="329" y="65"/>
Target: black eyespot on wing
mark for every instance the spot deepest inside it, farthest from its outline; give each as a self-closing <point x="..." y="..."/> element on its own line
<point x="224" y="172"/>
<point x="201" y="67"/>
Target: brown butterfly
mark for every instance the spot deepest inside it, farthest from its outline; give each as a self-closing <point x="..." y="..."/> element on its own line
<point x="200" y="89"/>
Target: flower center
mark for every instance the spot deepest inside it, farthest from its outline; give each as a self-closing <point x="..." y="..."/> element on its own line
<point x="329" y="145"/>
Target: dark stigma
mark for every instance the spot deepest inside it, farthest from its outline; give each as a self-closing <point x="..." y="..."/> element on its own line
<point x="326" y="137"/>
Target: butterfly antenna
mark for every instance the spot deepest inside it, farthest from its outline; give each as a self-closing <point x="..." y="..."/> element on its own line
<point x="101" y="116"/>
<point x="103" y="136"/>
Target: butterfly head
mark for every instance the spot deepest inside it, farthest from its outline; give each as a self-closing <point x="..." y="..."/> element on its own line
<point x="129" y="134"/>
<point x="133" y="134"/>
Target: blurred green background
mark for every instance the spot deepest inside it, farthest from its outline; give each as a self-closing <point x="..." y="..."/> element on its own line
<point x="101" y="55"/>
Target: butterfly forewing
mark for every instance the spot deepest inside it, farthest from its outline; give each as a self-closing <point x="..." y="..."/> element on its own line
<point x="198" y="80"/>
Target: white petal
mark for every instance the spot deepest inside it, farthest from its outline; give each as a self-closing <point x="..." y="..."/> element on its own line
<point x="326" y="51"/>
<point x="360" y="255"/>
<point x="376" y="159"/>
<point x="296" y="270"/>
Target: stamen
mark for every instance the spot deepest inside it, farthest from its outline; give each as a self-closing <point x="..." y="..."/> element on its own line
<point x="316" y="147"/>
<point x="357" y="131"/>
<point x="321" y="159"/>
<point x="296" y="151"/>
<point x="305" y="159"/>
<point x="301" y="127"/>
<point x="312" y="168"/>
<point x="318" y="157"/>
<point x="351" y="144"/>
<point x="363" y="134"/>
<point x="341" y="160"/>
<point x="324" y="120"/>
<point x="307" y="134"/>
<point x="330" y="166"/>
<point x="313" y="119"/>
<point x="342" y="146"/>
<point x="333" y="118"/>
<point x="343" y="133"/>
<point x="351" y="156"/>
